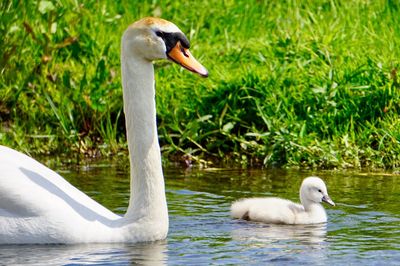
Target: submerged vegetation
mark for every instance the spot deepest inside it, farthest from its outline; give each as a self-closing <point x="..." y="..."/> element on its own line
<point x="292" y="83"/>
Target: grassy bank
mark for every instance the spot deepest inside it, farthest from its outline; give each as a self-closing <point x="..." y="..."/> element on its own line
<point x="301" y="83"/>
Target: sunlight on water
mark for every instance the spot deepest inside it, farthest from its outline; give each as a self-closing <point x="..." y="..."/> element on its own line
<point x="363" y="228"/>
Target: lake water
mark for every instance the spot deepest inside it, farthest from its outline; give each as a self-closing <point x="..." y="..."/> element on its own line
<point x="363" y="228"/>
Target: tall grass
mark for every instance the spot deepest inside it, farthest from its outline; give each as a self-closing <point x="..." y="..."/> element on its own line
<point x="292" y="83"/>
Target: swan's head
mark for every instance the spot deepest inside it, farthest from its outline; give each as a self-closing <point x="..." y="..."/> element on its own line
<point x="313" y="189"/>
<point x="155" y="38"/>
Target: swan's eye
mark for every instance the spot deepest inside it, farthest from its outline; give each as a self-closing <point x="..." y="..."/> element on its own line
<point x="320" y="191"/>
<point x="159" y="33"/>
<point x="184" y="51"/>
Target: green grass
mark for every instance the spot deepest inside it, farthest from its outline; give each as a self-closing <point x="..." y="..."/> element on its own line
<point x="292" y="83"/>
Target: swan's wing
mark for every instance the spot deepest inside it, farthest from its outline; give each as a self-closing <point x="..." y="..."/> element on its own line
<point x="28" y="189"/>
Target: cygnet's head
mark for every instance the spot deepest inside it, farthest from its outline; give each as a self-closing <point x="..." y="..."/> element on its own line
<point x="313" y="189"/>
<point x="155" y="38"/>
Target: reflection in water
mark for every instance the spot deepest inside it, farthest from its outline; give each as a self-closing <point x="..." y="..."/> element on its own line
<point x="293" y="244"/>
<point x="110" y="254"/>
<point x="313" y="234"/>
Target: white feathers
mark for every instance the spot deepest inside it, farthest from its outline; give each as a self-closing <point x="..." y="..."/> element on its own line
<point x="281" y="211"/>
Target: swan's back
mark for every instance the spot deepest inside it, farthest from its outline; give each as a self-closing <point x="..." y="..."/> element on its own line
<point x="32" y="183"/>
<point x="30" y="192"/>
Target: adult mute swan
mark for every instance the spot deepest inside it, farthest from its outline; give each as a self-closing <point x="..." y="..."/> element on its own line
<point x="281" y="211"/>
<point x="39" y="206"/>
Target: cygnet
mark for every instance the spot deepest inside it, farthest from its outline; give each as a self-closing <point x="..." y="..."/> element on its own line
<point x="281" y="211"/>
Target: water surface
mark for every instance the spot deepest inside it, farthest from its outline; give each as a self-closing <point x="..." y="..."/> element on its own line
<point x="363" y="228"/>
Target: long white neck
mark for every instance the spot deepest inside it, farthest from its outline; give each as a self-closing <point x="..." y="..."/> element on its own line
<point x="147" y="199"/>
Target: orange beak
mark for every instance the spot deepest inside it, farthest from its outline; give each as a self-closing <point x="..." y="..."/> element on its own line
<point x="183" y="57"/>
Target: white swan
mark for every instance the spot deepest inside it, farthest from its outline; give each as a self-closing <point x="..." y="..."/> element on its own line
<point x="281" y="211"/>
<point x="39" y="206"/>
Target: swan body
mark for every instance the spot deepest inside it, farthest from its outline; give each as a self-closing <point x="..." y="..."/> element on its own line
<point x="281" y="211"/>
<point x="39" y="206"/>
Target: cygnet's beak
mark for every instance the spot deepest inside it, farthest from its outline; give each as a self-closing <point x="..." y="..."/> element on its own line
<point x="183" y="57"/>
<point x="328" y="200"/>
